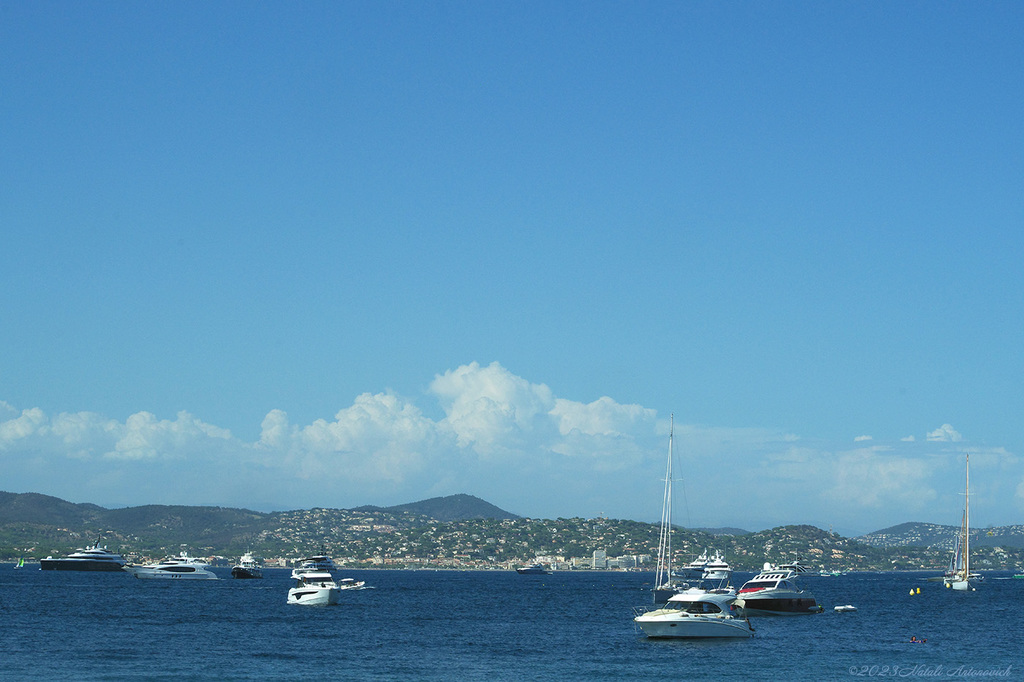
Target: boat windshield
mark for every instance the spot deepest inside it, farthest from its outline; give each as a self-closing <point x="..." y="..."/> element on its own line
<point x="759" y="585"/>
<point x="694" y="606"/>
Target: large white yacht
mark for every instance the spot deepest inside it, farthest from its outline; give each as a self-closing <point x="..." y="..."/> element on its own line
<point x="318" y="563"/>
<point x="695" y="569"/>
<point x="773" y="592"/>
<point x="716" y="568"/>
<point x="181" y="567"/>
<point x="93" y="558"/>
<point x="695" y="613"/>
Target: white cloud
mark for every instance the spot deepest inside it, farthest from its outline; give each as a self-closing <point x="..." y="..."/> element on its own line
<point x="877" y="478"/>
<point x="945" y="434"/>
<point x="491" y="410"/>
<point x="603" y="417"/>
<point x="143" y="436"/>
<point x="29" y="423"/>
<point x="908" y="439"/>
<point x="380" y="438"/>
<point x="501" y="437"/>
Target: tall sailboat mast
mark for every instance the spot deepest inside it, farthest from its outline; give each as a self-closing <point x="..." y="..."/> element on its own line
<point x="967" y="521"/>
<point x="664" y="576"/>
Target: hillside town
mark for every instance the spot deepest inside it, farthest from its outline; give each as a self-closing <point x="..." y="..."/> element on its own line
<point x="381" y="538"/>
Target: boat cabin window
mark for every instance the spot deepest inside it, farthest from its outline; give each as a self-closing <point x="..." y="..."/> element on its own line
<point x="703" y="607"/>
<point x="759" y="585"/>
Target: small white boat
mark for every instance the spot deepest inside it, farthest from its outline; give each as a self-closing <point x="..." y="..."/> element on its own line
<point x="352" y="584"/>
<point x="533" y="569"/>
<point x="847" y="608"/>
<point x="315" y="588"/>
<point x="181" y="567"/>
<point x="695" y="614"/>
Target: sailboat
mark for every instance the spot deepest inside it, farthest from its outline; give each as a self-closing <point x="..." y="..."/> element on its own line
<point x="663" y="585"/>
<point x="21" y="563"/>
<point x="959" y="574"/>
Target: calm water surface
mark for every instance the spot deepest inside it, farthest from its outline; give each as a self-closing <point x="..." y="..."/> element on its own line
<point x="441" y="625"/>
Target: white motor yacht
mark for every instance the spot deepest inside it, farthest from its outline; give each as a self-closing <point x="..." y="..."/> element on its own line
<point x="695" y="613"/>
<point x="695" y="569"/>
<point x="181" y="567"/>
<point x="318" y="563"/>
<point x="314" y="588"/>
<point x="717" y="569"/>
<point x="798" y="568"/>
<point x="773" y="592"/>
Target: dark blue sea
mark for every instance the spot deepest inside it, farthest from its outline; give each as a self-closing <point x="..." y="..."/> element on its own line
<point x="489" y="625"/>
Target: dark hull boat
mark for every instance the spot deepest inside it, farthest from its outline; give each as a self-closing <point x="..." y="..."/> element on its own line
<point x="248" y="568"/>
<point x="772" y="592"/>
<point x="246" y="573"/>
<point x="93" y="558"/>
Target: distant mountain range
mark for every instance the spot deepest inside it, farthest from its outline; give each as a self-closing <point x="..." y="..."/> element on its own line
<point x="460" y="528"/>
<point x="34" y="508"/>
<point x="917" y="534"/>
<point x="723" y="531"/>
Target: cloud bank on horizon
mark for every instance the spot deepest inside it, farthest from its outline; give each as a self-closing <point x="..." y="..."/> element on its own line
<point x="514" y="443"/>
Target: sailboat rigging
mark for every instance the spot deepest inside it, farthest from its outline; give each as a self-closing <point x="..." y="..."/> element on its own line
<point x="663" y="585"/>
<point x="958" y="577"/>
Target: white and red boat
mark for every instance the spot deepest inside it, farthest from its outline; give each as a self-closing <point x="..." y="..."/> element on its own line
<point x="774" y="592"/>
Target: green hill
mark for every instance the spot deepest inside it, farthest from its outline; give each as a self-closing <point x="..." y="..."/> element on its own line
<point x="451" y="508"/>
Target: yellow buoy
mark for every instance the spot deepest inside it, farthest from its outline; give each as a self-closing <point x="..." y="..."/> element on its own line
<point x="911" y="591"/>
<point x="919" y="590"/>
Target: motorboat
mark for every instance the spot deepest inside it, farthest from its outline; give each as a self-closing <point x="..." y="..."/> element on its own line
<point x="181" y="567"/>
<point x="247" y="567"/>
<point x="318" y="563"/>
<point x="695" y="613"/>
<point x="533" y="569"/>
<point x="845" y="608"/>
<point x="352" y="584"/>
<point x="314" y="588"/>
<point x="774" y="592"/>
<point x="799" y="568"/>
<point x="716" y="568"/>
<point x="93" y="558"/>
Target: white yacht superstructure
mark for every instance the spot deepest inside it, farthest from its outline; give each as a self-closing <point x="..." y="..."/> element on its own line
<point x="181" y="567"/>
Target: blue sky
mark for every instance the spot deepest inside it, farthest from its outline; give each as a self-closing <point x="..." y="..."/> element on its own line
<point x="332" y="254"/>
